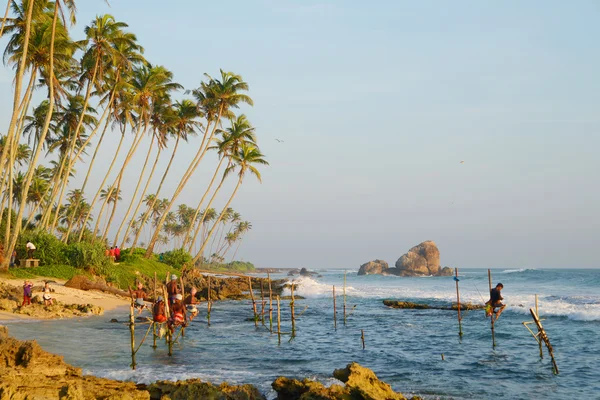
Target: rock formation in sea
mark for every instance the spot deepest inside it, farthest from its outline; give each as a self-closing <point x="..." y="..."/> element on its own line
<point x="422" y="259"/>
<point x="373" y="267"/>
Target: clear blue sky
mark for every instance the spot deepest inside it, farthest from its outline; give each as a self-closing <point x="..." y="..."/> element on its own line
<point x="377" y="104"/>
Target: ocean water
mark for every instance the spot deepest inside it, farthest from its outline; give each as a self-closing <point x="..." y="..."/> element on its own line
<point x="403" y="347"/>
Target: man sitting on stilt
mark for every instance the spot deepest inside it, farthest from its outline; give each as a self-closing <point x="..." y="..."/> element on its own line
<point x="495" y="302"/>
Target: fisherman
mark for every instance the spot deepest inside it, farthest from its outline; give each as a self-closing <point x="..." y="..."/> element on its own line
<point x="178" y="314"/>
<point x="30" y="249"/>
<point x="158" y="311"/>
<point x="46" y="296"/>
<point x="190" y="303"/>
<point x="140" y="296"/>
<point x="495" y="302"/>
<point x="173" y="289"/>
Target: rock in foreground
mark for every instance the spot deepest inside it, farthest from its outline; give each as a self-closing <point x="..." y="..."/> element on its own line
<point x="360" y="384"/>
<point x="373" y="267"/>
<point x="418" y="306"/>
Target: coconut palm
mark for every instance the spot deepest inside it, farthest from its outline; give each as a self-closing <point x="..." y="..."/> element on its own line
<point x="111" y="196"/>
<point x="240" y="231"/>
<point x="218" y="98"/>
<point x="244" y="161"/>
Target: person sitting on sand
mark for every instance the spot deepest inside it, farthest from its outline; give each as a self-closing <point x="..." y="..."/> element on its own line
<point x="46" y="296"/>
<point x="140" y="296"/>
<point x="190" y="303"/>
<point x="27" y="288"/>
<point x="178" y="314"/>
<point x="173" y="289"/>
<point x="495" y="302"/>
<point x="158" y="311"/>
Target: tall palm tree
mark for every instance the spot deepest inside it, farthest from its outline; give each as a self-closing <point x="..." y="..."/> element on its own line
<point x="240" y="231"/>
<point x="111" y="196"/>
<point x="245" y="160"/>
<point x="218" y="97"/>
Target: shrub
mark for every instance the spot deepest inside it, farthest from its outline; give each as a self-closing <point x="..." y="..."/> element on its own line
<point x="176" y="258"/>
<point x="138" y="253"/>
<point x="49" y="250"/>
<point x="90" y="256"/>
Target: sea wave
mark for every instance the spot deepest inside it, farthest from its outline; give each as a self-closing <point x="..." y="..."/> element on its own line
<point x="512" y="271"/>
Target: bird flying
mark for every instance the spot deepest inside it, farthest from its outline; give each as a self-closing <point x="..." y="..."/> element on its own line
<point x="279" y="140"/>
<point x="462" y="162"/>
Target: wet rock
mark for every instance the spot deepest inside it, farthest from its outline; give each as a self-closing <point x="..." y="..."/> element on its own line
<point x="196" y="389"/>
<point x="422" y="259"/>
<point x="360" y="384"/>
<point x="114" y="320"/>
<point x="373" y="267"/>
<point x="419" y="306"/>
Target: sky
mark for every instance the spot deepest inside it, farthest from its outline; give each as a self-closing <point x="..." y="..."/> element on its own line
<point x="377" y="103"/>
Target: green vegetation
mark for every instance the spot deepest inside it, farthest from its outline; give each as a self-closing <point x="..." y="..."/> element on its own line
<point x="84" y="87"/>
<point x="235" y="266"/>
<point x="51" y="271"/>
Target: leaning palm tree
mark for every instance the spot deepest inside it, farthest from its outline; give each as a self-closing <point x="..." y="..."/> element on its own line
<point x="111" y="196"/>
<point x="218" y="97"/>
<point x="240" y="231"/>
<point x="245" y="160"/>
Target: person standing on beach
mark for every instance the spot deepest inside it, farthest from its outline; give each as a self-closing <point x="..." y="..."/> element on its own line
<point x="30" y="249"/>
<point x="117" y="254"/>
<point x="27" y="288"/>
<point x="173" y="289"/>
<point x="13" y="258"/>
<point x="111" y="254"/>
<point x="495" y="302"/>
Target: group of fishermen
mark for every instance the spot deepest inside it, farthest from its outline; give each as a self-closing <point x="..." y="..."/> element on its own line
<point x="178" y="306"/>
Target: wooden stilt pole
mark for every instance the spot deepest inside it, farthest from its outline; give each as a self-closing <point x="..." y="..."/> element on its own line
<point x="344" y="297"/>
<point x="538" y="314"/>
<point x="492" y="316"/>
<point x="278" y="320"/>
<point x="270" y="304"/>
<point x="334" y="311"/>
<point x="362" y="338"/>
<point x="132" y="331"/>
<point x="460" y="332"/>
<point x="208" y="303"/>
<point x="182" y="299"/>
<point x="155" y="326"/>
<point x="262" y="303"/>
<point x="253" y="302"/>
<point x="292" y="311"/>
<point x="543" y="336"/>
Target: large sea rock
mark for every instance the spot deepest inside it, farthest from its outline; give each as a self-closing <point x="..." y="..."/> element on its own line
<point x="373" y="267"/>
<point x="423" y="259"/>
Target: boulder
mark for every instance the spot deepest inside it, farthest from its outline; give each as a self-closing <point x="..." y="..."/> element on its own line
<point x="423" y="259"/>
<point x="373" y="267"/>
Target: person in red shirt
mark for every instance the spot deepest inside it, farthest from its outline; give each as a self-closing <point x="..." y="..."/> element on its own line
<point x="178" y="314"/>
<point x="111" y="253"/>
<point x="158" y="311"/>
<point x="117" y="254"/>
<point x="27" y="288"/>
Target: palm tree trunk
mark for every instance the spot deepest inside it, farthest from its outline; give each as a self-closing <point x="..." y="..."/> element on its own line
<point x="144" y="190"/>
<point x="218" y="220"/>
<point x="236" y="249"/>
<point x="72" y="219"/>
<point x="73" y="159"/>
<point x="147" y="214"/>
<point x="32" y="214"/>
<point x="197" y="228"/>
<point x="188" y="173"/>
<point x="112" y="214"/>
<point x="5" y="17"/>
<point x="96" y="196"/>
<point x="33" y="163"/>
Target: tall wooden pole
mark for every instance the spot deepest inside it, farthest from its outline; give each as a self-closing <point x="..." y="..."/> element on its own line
<point x="344" y="297"/>
<point x="253" y="302"/>
<point x="154" y="325"/>
<point x="262" y="304"/>
<point x="208" y="302"/>
<point x="182" y="299"/>
<point x="278" y="320"/>
<point x="539" y="333"/>
<point x="132" y="331"/>
<point x="492" y="316"/>
<point x="334" y="312"/>
<point x="362" y="338"/>
<point x="292" y="311"/>
<point x="270" y="304"/>
<point x="460" y="332"/>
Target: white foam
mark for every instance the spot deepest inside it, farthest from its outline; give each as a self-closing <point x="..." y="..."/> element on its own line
<point x="512" y="271"/>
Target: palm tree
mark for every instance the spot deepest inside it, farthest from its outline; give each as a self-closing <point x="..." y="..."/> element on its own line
<point x="244" y="161"/>
<point x="240" y="231"/>
<point x="217" y="97"/>
<point x="111" y="196"/>
<point x="182" y="120"/>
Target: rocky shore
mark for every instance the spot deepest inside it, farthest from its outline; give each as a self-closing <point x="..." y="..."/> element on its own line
<point x="27" y="372"/>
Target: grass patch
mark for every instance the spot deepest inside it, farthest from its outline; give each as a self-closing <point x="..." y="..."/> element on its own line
<point x="125" y="273"/>
<point x="51" y="271"/>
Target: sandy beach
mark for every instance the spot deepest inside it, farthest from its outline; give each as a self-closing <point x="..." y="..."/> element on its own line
<point x="65" y="295"/>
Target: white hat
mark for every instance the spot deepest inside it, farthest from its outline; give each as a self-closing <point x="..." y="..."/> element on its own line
<point x="179" y="296"/>
<point x="173" y="277"/>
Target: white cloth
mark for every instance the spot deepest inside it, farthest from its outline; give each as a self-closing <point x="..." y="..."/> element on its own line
<point x="30" y="246"/>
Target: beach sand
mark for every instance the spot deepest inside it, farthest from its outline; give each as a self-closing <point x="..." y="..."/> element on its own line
<point x="65" y="295"/>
